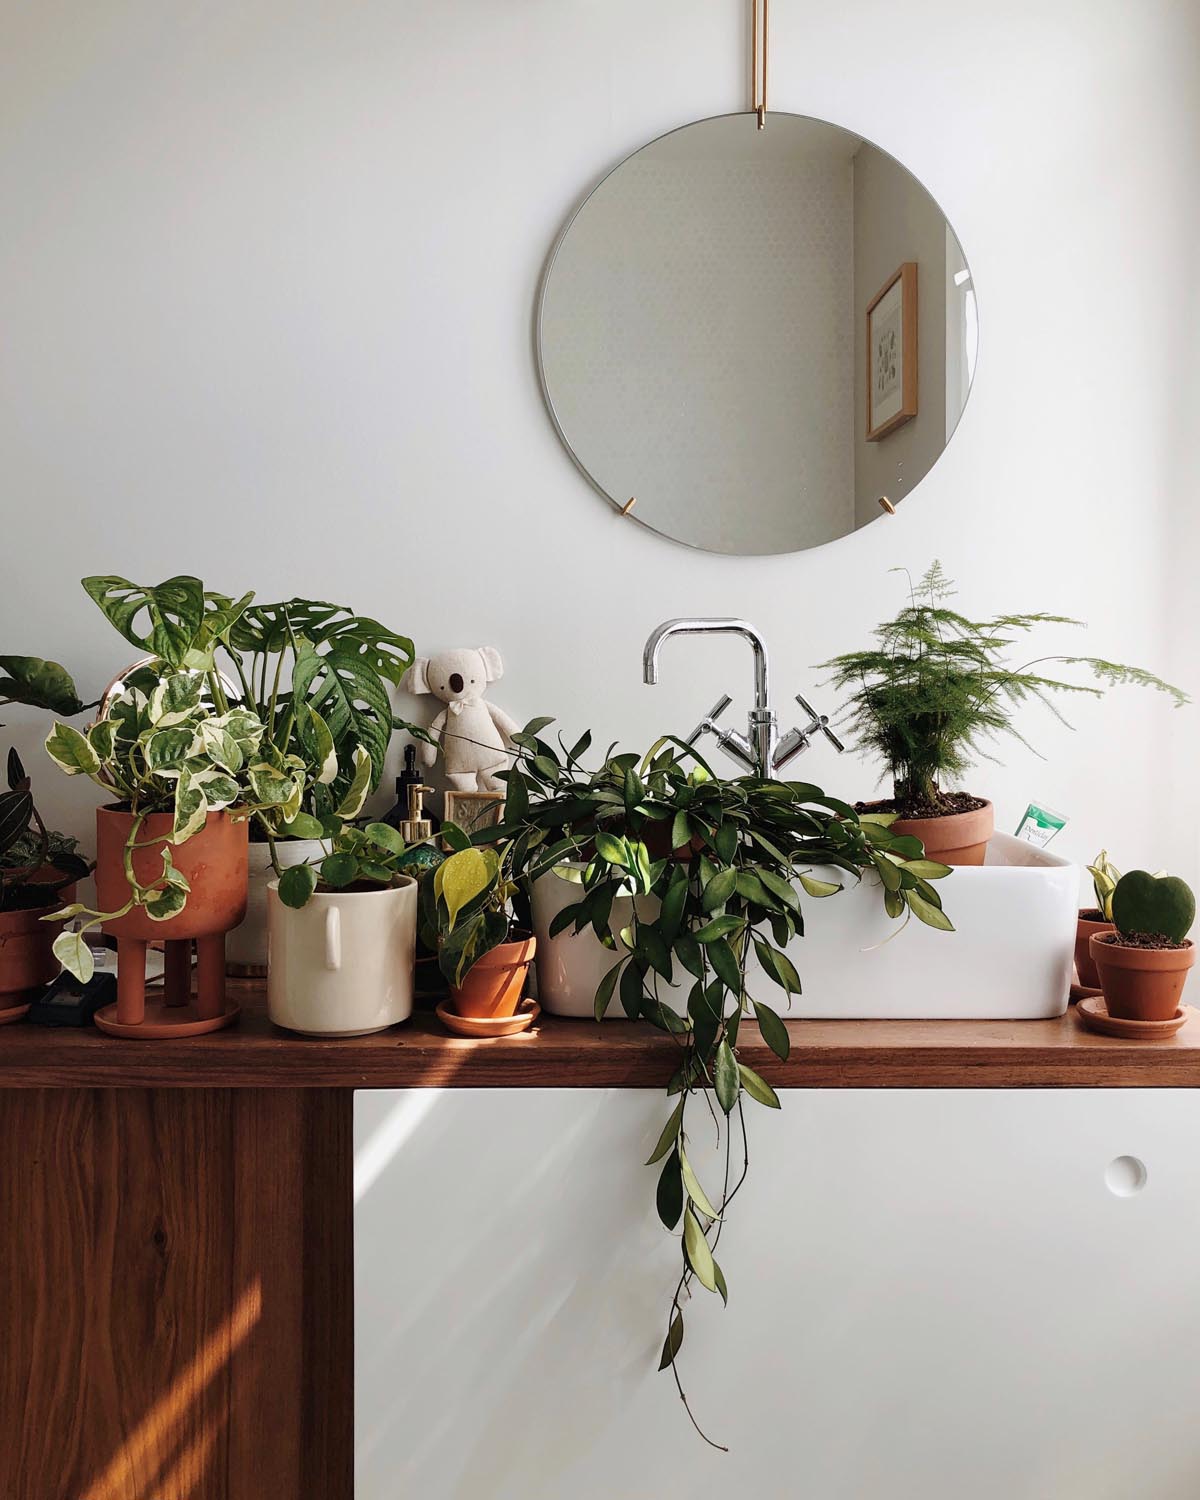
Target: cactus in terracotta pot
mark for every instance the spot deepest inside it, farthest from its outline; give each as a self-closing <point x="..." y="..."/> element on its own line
<point x="1143" y="963"/>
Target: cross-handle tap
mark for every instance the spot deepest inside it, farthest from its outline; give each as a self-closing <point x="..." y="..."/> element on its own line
<point x="797" y="740"/>
<point x="733" y="743"/>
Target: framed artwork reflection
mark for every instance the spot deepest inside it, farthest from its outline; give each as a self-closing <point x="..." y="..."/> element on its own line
<point x="892" y="353"/>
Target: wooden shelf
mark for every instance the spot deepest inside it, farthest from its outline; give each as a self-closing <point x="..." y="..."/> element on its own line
<point x="580" y="1054"/>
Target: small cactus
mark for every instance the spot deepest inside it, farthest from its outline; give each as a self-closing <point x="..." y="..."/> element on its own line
<point x="1104" y="879"/>
<point x="1156" y="905"/>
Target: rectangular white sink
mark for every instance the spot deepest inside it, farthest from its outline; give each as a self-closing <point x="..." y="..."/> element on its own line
<point x="1009" y="958"/>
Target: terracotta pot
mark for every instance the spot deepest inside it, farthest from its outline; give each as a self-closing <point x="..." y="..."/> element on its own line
<point x="26" y="961"/>
<point x="1141" y="984"/>
<point x="215" y="863"/>
<point x="494" y="985"/>
<point x="957" y="839"/>
<point x="1085" y="967"/>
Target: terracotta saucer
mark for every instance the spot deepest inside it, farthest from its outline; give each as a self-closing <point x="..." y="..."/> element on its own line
<point x="165" y="1021"/>
<point x="13" y="1013"/>
<point x="1094" y="1015"/>
<point x="479" y="1026"/>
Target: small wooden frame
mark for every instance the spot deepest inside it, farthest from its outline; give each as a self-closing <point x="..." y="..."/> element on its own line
<point x="474" y="810"/>
<point x="891" y="368"/>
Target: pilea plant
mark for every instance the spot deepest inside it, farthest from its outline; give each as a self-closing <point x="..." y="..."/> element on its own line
<point x="162" y="746"/>
<point x="938" y="684"/>
<point x="728" y="862"/>
<point x="356" y="858"/>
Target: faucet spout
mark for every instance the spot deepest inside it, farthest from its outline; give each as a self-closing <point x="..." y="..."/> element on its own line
<point x="762" y="720"/>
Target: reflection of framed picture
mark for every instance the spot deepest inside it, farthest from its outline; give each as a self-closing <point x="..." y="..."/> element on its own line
<point x="892" y="354"/>
<point x="474" y="810"/>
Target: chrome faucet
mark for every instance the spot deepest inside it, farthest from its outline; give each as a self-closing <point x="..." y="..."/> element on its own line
<point x="760" y="750"/>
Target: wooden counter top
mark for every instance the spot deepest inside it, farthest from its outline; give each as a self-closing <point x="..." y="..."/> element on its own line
<point x="580" y="1054"/>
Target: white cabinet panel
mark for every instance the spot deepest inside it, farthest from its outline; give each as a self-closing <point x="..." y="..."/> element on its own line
<point x="933" y="1294"/>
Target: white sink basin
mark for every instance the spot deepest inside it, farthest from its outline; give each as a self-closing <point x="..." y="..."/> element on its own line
<point x="1009" y="957"/>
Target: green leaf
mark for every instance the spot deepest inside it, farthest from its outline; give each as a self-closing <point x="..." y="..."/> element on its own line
<point x="604" y="991"/>
<point x="631" y="991"/>
<point x="339" y="870"/>
<point x="167" y="749"/>
<point x="778" y="967"/>
<point x="652" y="945"/>
<point x="463" y="877"/>
<point x="725" y="841"/>
<point x="668" y="1196"/>
<point x="779" y="887"/>
<point x="719" y="1278"/>
<point x="304" y="826"/>
<point x="681" y="833"/>
<point x="453" y="835"/>
<point x="718" y="890"/>
<point x="889" y="873"/>
<point x="296" y="885"/>
<point x="174" y="613"/>
<point x="719" y="927"/>
<point x="669" y="1136"/>
<point x="687" y="951"/>
<point x="725" y="963"/>
<point x="360" y="785"/>
<point x="673" y="903"/>
<point x="758" y="1088"/>
<point x="191" y="809"/>
<point x="672" y="1343"/>
<point x="699" y="1256"/>
<point x="691" y="1186"/>
<point x="351" y="699"/>
<point x="386" y="837"/>
<point x="70" y="751"/>
<point x="927" y="912"/>
<point x="613" y="850"/>
<point x="927" y="869"/>
<point x="39" y="684"/>
<point x="73" y="953"/>
<point x="725" y="1077"/>
<point x="774" y="1032"/>
<point x="820" y="888"/>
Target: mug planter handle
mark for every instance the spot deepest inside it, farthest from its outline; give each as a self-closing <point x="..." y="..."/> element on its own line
<point x="333" y="938"/>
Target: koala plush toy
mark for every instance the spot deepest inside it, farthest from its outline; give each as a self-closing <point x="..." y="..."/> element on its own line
<point x="474" y="735"/>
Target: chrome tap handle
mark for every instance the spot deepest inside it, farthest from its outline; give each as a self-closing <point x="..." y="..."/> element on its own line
<point x="708" y="724"/>
<point x="819" y="721"/>
<point x="797" y="740"/>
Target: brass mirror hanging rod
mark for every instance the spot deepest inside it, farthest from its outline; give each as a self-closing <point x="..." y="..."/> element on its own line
<point x="759" y="43"/>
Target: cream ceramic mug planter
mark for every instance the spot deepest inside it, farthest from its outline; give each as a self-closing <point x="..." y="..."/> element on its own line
<point x="342" y="965"/>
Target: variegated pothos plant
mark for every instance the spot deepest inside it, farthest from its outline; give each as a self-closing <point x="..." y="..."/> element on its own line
<point x="164" y="746"/>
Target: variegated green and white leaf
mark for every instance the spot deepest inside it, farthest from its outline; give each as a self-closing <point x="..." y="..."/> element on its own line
<point x="269" y="787"/>
<point x="324" y="750"/>
<point x="220" y="790"/>
<point x="73" y="953"/>
<point x="171" y="874"/>
<point x="221" y="747"/>
<point x="165" y="904"/>
<point x="191" y="808"/>
<point x="360" y="785"/>
<point x="102" y="738"/>
<point x="71" y="751"/>
<point x="168" y="749"/>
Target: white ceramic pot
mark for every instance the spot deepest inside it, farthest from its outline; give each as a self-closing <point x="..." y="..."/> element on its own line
<point x="246" y="945"/>
<point x="570" y="966"/>
<point x="342" y="965"/>
<point x="1009" y="957"/>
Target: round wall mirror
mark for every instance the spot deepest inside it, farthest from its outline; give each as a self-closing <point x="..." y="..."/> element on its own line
<point x="765" y="338"/>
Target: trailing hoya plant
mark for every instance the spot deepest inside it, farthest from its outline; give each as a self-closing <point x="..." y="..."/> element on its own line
<point x="937" y="685"/>
<point x="163" y="747"/>
<point x="730" y="863"/>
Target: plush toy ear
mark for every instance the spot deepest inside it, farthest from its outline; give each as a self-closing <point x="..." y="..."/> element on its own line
<point x="492" y="665"/>
<point x="416" y="679"/>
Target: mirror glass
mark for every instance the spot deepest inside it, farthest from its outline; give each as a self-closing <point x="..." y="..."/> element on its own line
<point x="758" y="334"/>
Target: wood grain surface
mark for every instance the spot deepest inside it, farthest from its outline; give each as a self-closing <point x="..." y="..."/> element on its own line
<point x="177" y="1299"/>
<point x="581" y="1054"/>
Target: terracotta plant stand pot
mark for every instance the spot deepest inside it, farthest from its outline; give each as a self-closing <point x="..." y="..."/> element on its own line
<point x="215" y="863"/>
<point x="494" y="986"/>
<point x="27" y="963"/>
<point x="957" y="839"/>
<point x="1089" y="976"/>
<point x="1141" y="984"/>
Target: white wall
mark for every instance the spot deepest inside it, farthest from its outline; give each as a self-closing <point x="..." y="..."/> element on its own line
<point x="267" y="272"/>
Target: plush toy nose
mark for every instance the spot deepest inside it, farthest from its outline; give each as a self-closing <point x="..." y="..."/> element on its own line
<point x="456" y="682"/>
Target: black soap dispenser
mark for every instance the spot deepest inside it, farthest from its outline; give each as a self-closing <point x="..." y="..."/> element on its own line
<point x="409" y="777"/>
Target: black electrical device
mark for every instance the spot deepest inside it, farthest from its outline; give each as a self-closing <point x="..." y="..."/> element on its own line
<point x="68" y="1002"/>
